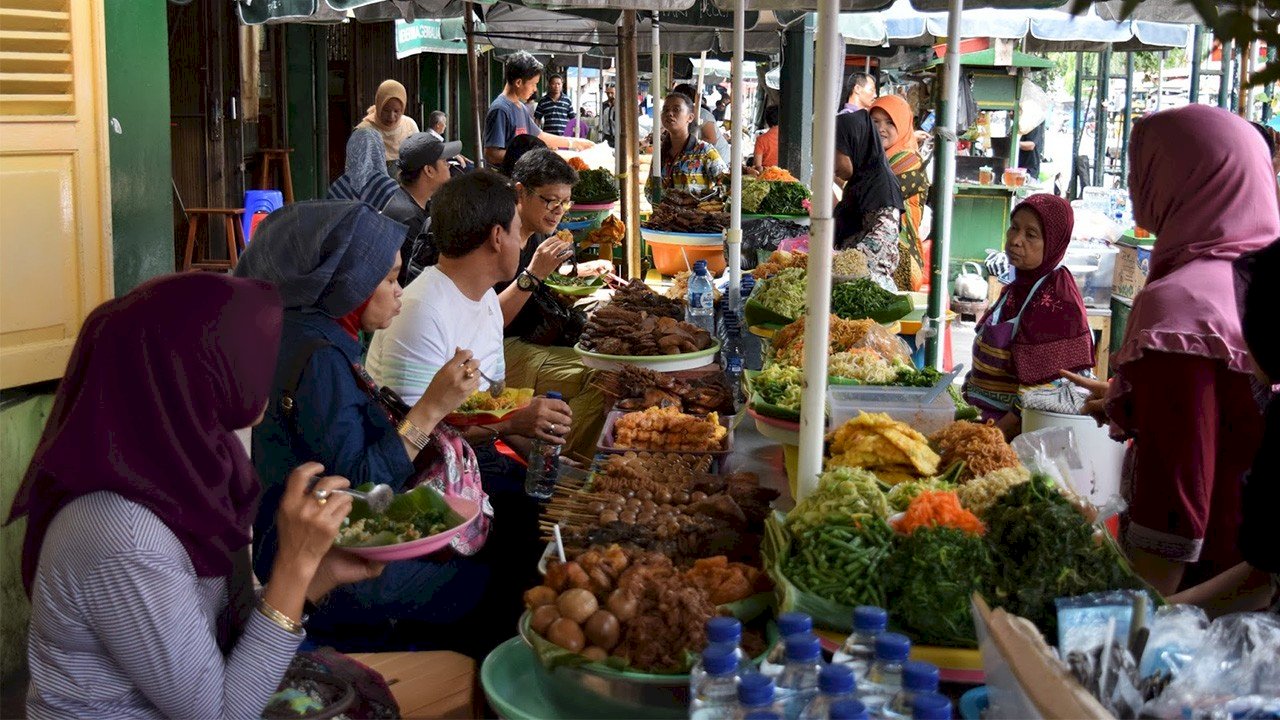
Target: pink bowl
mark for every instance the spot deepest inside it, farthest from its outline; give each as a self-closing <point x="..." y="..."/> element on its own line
<point x="423" y="546"/>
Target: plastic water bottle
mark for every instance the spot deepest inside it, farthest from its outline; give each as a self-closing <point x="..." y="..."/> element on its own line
<point x="917" y="678"/>
<point x="544" y="466"/>
<point x="884" y="679"/>
<point x="849" y="710"/>
<point x="792" y="623"/>
<point x="755" y="695"/>
<point x="720" y="631"/>
<point x="732" y="353"/>
<point x="715" y="696"/>
<point x="931" y="706"/>
<point x="798" y="683"/>
<point x="859" y="648"/>
<point x="701" y="300"/>
<point x="835" y="684"/>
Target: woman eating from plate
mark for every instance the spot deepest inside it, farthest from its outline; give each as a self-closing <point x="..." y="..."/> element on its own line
<point x="335" y="264"/>
<point x="892" y="118"/>
<point x="139" y="504"/>
<point x="1038" y="327"/>
<point x="387" y="116"/>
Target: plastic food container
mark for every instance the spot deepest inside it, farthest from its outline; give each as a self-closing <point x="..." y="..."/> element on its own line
<point x="1093" y="267"/>
<point x="720" y="457"/>
<point x="904" y="404"/>
<point x="670" y="250"/>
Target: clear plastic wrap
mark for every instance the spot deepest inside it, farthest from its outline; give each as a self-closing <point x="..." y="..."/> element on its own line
<point x="1094" y="637"/>
<point x="1177" y="632"/>
<point x="1055" y="452"/>
<point x="1236" y="670"/>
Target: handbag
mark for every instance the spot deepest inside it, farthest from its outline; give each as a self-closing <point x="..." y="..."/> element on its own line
<point x="545" y="320"/>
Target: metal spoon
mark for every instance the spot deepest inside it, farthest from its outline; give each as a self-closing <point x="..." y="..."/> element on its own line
<point x="378" y="499"/>
<point x="496" y="387"/>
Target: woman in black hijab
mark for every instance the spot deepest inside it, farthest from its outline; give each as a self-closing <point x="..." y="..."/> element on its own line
<point x="868" y="213"/>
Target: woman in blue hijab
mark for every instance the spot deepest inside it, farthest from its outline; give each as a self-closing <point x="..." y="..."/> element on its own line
<point x="335" y="264"/>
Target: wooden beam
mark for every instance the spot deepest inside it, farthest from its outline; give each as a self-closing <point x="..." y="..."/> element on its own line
<point x="629" y="139"/>
<point x="473" y="78"/>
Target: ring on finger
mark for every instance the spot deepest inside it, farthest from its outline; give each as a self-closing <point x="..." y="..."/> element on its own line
<point x="551" y="428"/>
<point x="321" y="496"/>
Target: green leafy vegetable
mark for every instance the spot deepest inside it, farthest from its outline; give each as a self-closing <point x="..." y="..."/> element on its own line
<point x="780" y="385"/>
<point x="865" y="299"/>
<point x="1044" y="549"/>
<point x="595" y="186"/>
<point x="784" y="198"/>
<point x="932" y="574"/>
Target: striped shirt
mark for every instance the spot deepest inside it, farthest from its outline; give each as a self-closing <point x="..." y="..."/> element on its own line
<point x="435" y="319"/>
<point x="554" y="115"/>
<point x="122" y="627"/>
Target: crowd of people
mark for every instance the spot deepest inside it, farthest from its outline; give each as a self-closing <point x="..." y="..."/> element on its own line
<point x="354" y="325"/>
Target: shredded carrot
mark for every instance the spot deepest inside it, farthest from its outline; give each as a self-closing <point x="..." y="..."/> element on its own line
<point x="777" y="174"/>
<point x="578" y="163"/>
<point x="937" y="508"/>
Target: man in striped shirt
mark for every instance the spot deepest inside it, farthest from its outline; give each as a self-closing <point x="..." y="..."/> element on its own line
<point x="555" y="109"/>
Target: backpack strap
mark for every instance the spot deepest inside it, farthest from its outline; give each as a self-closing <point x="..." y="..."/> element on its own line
<point x="298" y="362"/>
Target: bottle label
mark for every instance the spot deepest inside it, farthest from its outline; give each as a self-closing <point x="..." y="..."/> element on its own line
<point x="735" y="365"/>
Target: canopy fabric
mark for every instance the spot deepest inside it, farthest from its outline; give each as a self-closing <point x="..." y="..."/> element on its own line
<point x="1044" y="30"/>
<point x="258" y="12"/>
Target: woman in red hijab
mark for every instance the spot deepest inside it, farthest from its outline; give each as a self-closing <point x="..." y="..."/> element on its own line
<point x="139" y="504"/>
<point x="1038" y="327"/>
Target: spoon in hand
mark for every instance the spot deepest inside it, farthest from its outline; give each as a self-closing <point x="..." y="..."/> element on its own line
<point x="378" y="499"/>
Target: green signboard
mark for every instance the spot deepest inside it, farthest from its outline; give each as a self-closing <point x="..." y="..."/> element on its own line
<point x="429" y="36"/>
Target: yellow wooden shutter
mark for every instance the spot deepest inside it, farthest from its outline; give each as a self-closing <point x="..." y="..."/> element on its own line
<point x="55" y="235"/>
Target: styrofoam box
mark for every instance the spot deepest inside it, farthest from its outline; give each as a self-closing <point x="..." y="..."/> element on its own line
<point x="903" y="404"/>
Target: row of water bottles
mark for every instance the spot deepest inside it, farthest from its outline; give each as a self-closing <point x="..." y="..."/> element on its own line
<point x="868" y="678"/>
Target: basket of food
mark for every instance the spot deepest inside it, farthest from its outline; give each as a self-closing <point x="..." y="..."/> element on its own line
<point x="417" y="523"/>
<point x="483" y="408"/>
<point x="666" y="429"/>
<point x="684" y="229"/>
<point x="784" y="198"/>
<point x="639" y="327"/>
<point x="595" y="194"/>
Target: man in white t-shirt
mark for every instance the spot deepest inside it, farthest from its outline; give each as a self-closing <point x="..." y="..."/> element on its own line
<point x="452" y="305"/>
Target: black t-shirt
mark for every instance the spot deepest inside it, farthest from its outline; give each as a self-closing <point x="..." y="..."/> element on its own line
<point x="1030" y="159"/>
<point x="418" y="252"/>
<point x="529" y="315"/>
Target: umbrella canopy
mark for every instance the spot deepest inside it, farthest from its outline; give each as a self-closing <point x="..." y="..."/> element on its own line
<point x="334" y="11"/>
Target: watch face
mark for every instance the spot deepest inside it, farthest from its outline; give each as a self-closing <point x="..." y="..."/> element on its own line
<point x="525" y="281"/>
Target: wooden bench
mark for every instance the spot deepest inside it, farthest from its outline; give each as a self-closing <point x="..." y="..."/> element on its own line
<point x="429" y="684"/>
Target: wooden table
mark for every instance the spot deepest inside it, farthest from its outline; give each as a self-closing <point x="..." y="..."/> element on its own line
<point x="429" y="684"/>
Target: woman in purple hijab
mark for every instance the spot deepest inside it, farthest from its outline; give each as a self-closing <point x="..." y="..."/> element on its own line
<point x="139" y="503"/>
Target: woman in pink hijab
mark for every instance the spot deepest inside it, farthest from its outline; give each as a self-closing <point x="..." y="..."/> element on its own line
<point x="1183" y="389"/>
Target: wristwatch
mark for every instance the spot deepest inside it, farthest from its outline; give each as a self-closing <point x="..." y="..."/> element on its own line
<point x="527" y="282"/>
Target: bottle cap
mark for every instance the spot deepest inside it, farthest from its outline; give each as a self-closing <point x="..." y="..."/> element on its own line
<point x="892" y="647"/>
<point x="720" y="658"/>
<point x="848" y="710"/>
<point x="836" y="679"/>
<point x="931" y="706"/>
<point x="870" y="619"/>
<point x="794" y="623"/>
<point x="724" y="630"/>
<point x="804" y="646"/>
<point x="754" y="690"/>
<point x="553" y="395"/>
<point x="920" y="676"/>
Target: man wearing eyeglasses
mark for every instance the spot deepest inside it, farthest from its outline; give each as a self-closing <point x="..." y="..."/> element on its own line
<point x="539" y="331"/>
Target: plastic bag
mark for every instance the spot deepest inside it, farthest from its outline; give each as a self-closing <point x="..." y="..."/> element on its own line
<point x="885" y="344"/>
<point x="1177" y="632"/>
<point x="766" y="234"/>
<point x="1237" y="663"/>
<point x="1054" y="452"/>
<point x="1094" y="632"/>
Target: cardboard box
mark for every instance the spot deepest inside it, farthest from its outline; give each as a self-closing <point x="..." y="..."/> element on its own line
<point x="1132" y="265"/>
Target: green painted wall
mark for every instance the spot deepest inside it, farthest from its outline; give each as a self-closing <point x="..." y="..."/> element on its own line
<point x="138" y="133"/>
<point x="306" y="121"/>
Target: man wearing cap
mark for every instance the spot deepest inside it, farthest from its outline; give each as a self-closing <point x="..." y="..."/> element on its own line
<point x="424" y="168"/>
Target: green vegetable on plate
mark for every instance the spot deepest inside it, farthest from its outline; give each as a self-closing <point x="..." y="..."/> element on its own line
<point x="932" y="574"/>
<point x="595" y="186"/>
<point x="419" y="513"/>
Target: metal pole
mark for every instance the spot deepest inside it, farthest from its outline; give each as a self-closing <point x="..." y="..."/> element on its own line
<point x="1159" y="80"/>
<point x="1127" y="125"/>
<point x="655" y="89"/>
<point x="945" y="180"/>
<point x="1197" y="45"/>
<point x="629" y="138"/>
<point x="1224" y="76"/>
<point x="1245" y="98"/>
<point x="1101" y="123"/>
<point x="1077" y="126"/>
<point x="577" y="90"/>
<point x="821" y="232"/>
<point x="1271" y="87"/>
<point x="733" y="237"/>
<point x="702" y="77"/>
<point x="473" y="81"/>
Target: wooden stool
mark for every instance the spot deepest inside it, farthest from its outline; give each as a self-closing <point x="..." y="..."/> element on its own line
<point x="231" y="220"/>
<point x="266" y="158"/>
